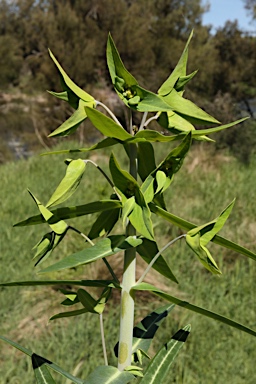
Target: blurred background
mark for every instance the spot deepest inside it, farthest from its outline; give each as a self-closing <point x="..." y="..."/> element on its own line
<point x="150" y="36"/>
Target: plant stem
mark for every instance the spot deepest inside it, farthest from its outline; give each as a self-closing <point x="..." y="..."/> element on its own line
<point x="143" y="120"/>
<point x="103" y="340"/>
<point x="151" y="119"/>
<point x="127" y="300"/>
<point x="109" y="111"/>
<point x="156" y="257"/>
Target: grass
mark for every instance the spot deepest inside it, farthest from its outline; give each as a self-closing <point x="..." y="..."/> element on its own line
<point x="205" y="185"/>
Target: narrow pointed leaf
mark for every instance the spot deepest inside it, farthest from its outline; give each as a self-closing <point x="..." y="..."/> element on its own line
<point x="209" y="230"/>
<point x="108" y="142"/>
<point x="75" y="211"/>
<point x="116" y="67"/>
<point x="153" y="136"/>
<point x="145" y="331"/>
<point x="107" y="126"/>
<point x="183" y="80"/>
<point x="70" y="84"/>
<point x="147" y="250"/>
<point x="128" y="208"/>
<point x="101" y="302"/>
<point x="122" y="179"/>
<point x="60" y="95"/>
<point x="179" y="222"/>
<point x="146" y="159"/>
<point x="85" y="283"/>
<point x="161" y="180"/>
<point x="108" y="375"/>
<point x="44" y="254"/>
<point x="179" y="70"/>
<point x="104" y="223"/>
<point x="48" y="363"/>
<point x="191" y="307"/>
<point x="87" y="300"/>
<point x="41" y="371"/>
<point x="57" y="225"/>
<point x="72" y="123"/>
<point x="203" y="254"/>
<point x="105" y="247"/>
<point x="187" y="108"/>
<point x="159" y="366"/>
<point x="209" y="131"/>
<point x="69" y="183"/>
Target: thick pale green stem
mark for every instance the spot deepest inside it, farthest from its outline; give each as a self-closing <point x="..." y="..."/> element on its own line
<point x="127" y="300"/>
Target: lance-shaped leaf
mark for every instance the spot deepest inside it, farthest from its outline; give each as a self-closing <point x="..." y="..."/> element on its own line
<point x="85" y="283"/>
<point x="147" y="250"/>
<point x="146" y="159"/>
<point x="159" y="367"/>
<point x="209" y="131"/>
<point x="60" y="95"/>
<point x="75" y="211"/>
<point x="105" y="247"/>
<point x="197" y="238"/>
<point x="42" y="360"/>
<point x="145" y="330"/>
<point x="108" y="375"/>
<point x="57" y="225"/>
<point x="89" y="303"/>
<point x="191" y="307"/>
<point x="127" y="87"/>
<point x="49" y="242"/>
<point x="118" y="73"/>
<point x="187" y="109"/>
<point x="161" y="177"/>
<point x="128" y="207"/>
<point x="104" y="223"/>
<point x="41" y="371"/>
<point x="176" y="124"/>
<point x="72" y="123"/>
<point x="128" y="187"/>
<point x="70" y="87"/>
<point x="178" y="72"/>
<point x="69" y="183"/>
<point x="107" y="126"/>
<point x="187" y="225"/>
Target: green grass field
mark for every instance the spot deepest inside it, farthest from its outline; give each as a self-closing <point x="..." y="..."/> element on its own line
<point x="213" y="354"/>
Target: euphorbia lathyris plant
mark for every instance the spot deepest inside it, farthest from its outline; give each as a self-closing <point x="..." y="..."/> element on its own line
<point x="137" y="195"/>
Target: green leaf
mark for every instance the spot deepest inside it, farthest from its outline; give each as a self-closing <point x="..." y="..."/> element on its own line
<point x="70" y="85"/>
<point x="42" y="374"/>
<point x="104" y="223"/>
<point x="75" y="211"/>
<point x="153" y="136"/>
<point x="60" y="95"/>
<point x="107" y="126"/>
<point x="179" y="71"/>
<point x="57" y="225"/>
<point x="191" y="307"/>
<point x="176" y="124"/>
<point x="105" y="247"/>
<point x="140" y="218"/>
<point x="197" y="239"/>
<point x="48" y="363"/>
<point x="186" y="108"/>
<point x="128" y="208"/>
<point x="209" y="230"/>
<point x="74" y="313"/>
<point x="147" y="250"/>
<point x="122" y="179"/>
<point x="69" y="183"/>
<point x="44" y="250"/>
<point x="117" y="70"/>
<point x="72" y="123"/>
<point x="183" y="80"/>
<point x="146" y="101"/>
<point x="108" y="375"/>
<point x="209" y="131"/>
<point x="161" y="180"/>
<point x="179" y="222"/>
<point x="159" y="367"/>
<point x="87" y="300"/>
<point x="108" y="142"/>
<point x="144" y="332"/>
<point x="101" y="302"/>
<point x="85" y="283"/>
<point x="146" y="159"/>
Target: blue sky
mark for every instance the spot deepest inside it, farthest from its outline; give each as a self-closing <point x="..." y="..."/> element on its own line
<point x="222" y="10"/>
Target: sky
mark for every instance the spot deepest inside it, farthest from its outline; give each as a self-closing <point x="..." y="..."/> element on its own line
<point x="222" y="10"/>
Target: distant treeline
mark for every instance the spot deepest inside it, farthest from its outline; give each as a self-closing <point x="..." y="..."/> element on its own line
<point x="150" y="36"/>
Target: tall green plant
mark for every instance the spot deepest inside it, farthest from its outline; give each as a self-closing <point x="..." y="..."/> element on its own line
<point x="136" y="194"/>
